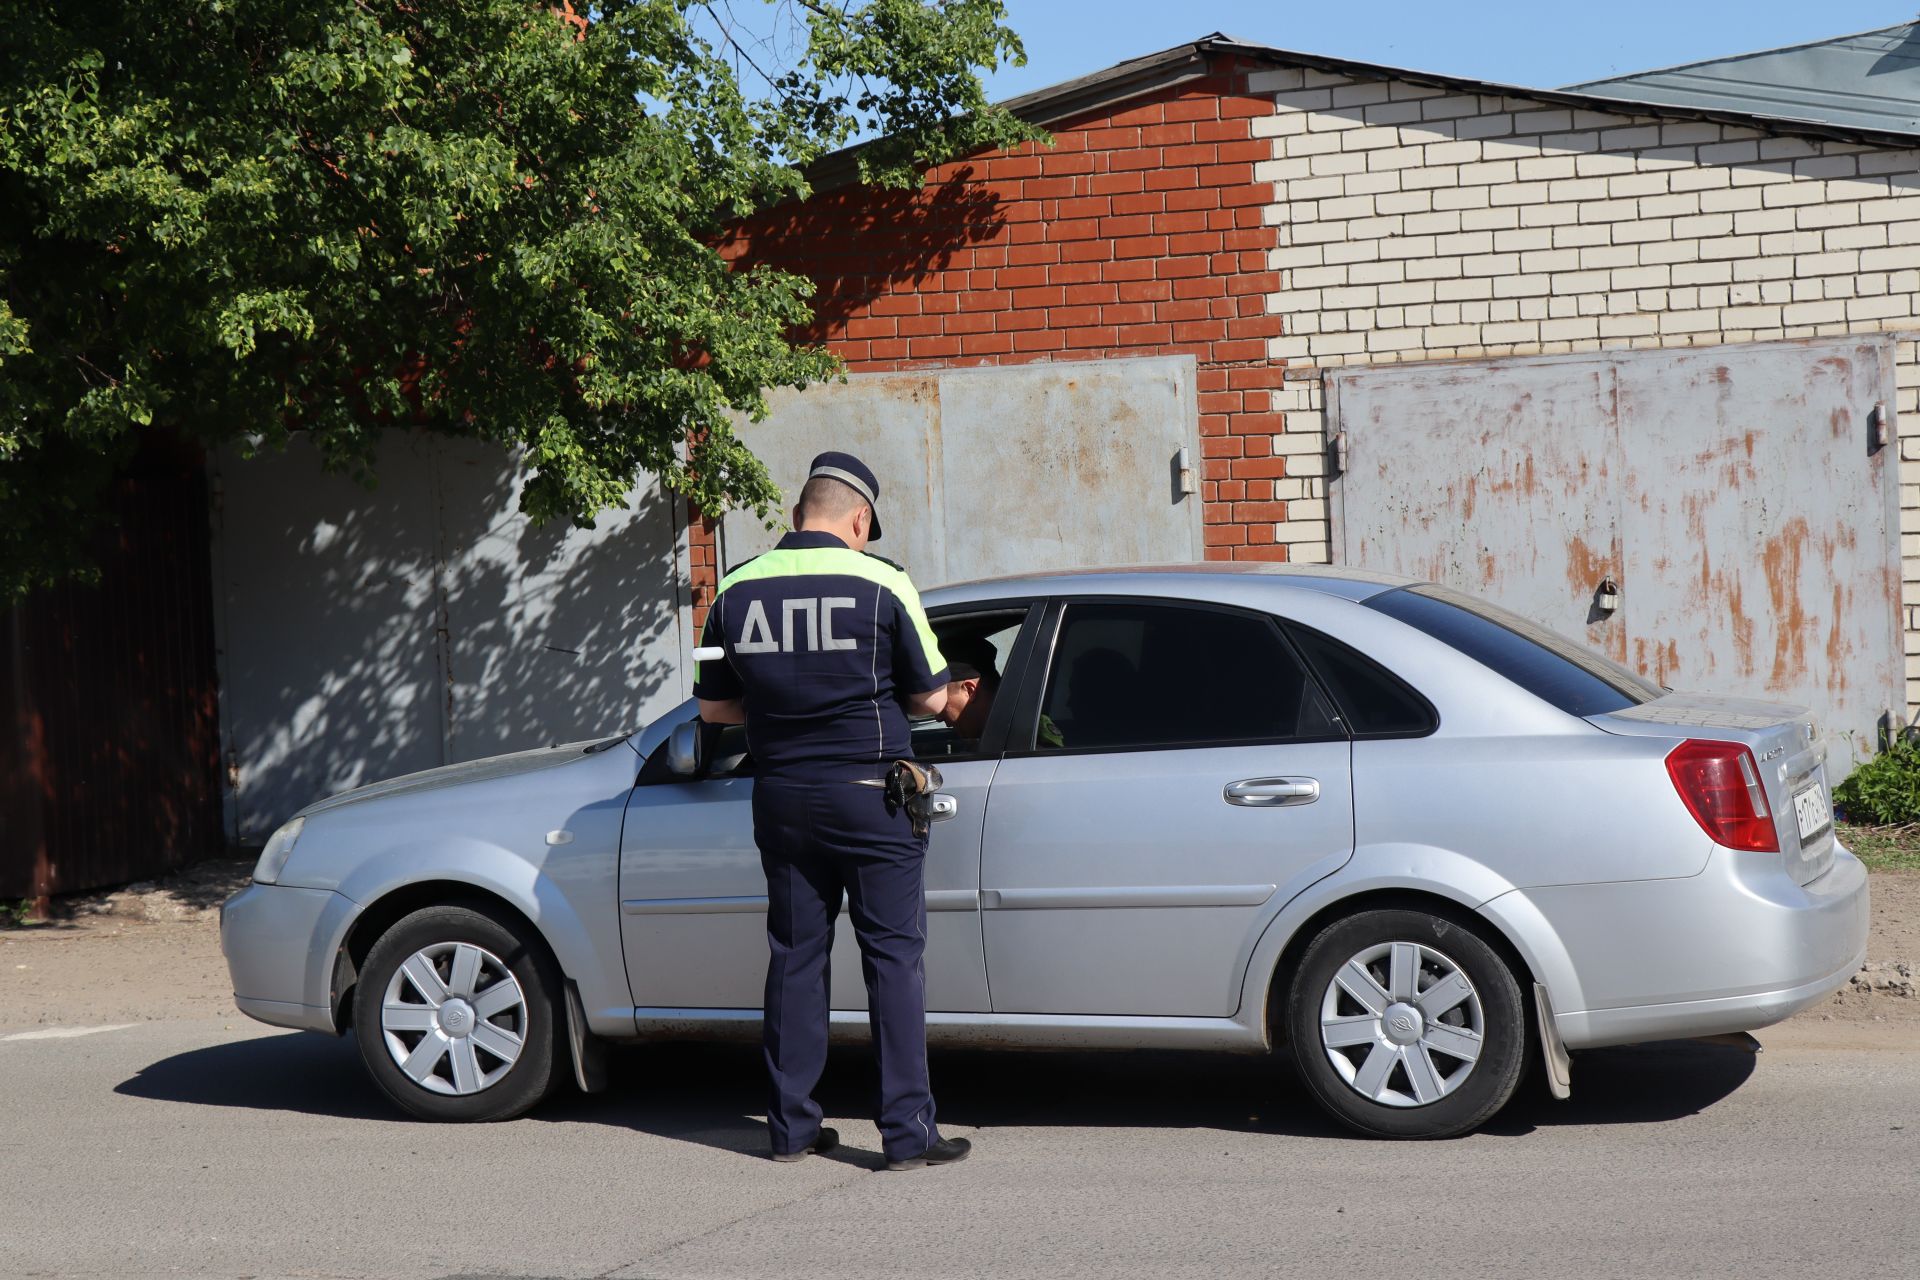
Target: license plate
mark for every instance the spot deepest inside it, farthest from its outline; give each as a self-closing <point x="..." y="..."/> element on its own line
<point x="1810" y="807"/>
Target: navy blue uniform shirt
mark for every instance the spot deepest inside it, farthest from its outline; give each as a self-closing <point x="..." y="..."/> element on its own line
<point x="822" y="642"/>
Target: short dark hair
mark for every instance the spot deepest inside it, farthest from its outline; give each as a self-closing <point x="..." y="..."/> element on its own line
<point x="970" y="659"/>
<point x="825" y="498"/>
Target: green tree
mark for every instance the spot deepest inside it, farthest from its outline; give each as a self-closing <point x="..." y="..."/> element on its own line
<point x="239" y="219"/>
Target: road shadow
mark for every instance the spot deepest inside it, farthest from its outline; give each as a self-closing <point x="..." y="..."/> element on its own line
<point x="303" y="1072"/>
<point x="713" y="1094"/>
<point x="1632" y="1084"/>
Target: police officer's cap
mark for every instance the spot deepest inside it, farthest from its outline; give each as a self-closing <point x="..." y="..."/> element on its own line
<point x="853" y="473"/>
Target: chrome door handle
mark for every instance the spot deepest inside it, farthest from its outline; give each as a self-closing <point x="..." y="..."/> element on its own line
<point x="941" y="806"/>
<point x="1270" y="793"/>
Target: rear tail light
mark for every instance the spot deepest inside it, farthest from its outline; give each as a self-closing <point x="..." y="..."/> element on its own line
<point x="1720" y="786"/>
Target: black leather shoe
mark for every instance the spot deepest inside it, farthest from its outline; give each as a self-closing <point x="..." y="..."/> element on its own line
<point x="945" y="1151"/>
<point x="827" y="1141"/>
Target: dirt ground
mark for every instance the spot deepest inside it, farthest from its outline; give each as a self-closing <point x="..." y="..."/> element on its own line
<point x="152" y="952"/>
<point x="143" y="953"/>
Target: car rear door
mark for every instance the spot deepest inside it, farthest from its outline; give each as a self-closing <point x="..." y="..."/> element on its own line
<point x="1174" y="773"/>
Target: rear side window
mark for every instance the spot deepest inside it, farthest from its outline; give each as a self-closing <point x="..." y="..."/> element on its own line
<point x="1553" y="668"/>
<point x="1376" y="703"/>
<point x="1127" y="675"/>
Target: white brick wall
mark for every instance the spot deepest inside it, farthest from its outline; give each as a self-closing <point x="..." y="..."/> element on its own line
<point x="1458" y="226"/>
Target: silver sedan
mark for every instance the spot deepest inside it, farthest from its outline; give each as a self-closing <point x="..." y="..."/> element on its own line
<point x="1414" y="840"/>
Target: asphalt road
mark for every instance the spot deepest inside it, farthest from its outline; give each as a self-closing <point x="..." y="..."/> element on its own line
<point x="216" y="1148"/>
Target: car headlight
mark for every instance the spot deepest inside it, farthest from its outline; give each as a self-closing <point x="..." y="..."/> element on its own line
<point x="273" y="858"/>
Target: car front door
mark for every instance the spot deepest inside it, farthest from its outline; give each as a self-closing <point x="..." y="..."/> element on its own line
<point x="1175" y="772"/>
<point x="693" y="895"/>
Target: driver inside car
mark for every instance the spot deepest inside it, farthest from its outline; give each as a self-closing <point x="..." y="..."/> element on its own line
<point x="973" y="682"/>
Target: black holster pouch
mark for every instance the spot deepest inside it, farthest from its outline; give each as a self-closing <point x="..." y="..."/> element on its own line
<point x="911" y="786"/>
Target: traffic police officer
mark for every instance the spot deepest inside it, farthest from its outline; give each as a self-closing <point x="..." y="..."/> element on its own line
<point x="827" y="652"/>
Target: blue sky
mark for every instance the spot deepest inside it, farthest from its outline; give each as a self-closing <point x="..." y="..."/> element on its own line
<point x="1540" y="43"/>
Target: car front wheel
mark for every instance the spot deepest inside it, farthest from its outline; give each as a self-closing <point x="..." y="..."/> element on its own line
<point x="456" y="1015"/>
<point x="1406" y="1025"/>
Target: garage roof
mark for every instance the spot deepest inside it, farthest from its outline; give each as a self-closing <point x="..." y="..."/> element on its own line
<point x="1869" y="80"/>
<point x="1187" y="62"/>
<point x="1184" y="63"/>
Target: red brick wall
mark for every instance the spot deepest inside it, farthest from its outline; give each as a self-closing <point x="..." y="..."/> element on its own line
<point x="1139" y="232"/>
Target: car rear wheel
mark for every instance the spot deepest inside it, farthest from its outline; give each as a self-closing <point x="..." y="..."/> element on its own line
<point x="457" y="1016"/>
<point x="1406" y="1025"/>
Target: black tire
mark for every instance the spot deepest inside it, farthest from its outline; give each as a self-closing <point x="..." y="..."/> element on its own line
<point x="1473" y="1097"/>
<point x="541" y="1059"/>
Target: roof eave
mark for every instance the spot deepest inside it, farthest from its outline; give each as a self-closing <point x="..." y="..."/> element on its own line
<point x="1183" y="63"/>
<point x="1564" y="97"/>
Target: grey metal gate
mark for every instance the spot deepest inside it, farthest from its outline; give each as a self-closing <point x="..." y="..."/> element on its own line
<point x="1002" y="470"/>
<point x="369" y="633"/>
<point x="1740" y="498"/>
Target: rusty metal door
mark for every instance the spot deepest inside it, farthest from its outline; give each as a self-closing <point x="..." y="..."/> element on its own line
<point x="1737" y="496"/>
<point x="1001" y="470"/>
<point x="1503" y="485"/>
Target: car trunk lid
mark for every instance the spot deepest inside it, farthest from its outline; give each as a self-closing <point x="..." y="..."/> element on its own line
<point x="1790" y="756"/>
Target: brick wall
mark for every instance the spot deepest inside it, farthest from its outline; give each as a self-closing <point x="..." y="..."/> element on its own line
<point x="1418" y="224"/>
<point x="1141" y="231"/>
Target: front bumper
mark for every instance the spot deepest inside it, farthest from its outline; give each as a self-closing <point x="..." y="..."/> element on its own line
<point x="1735" y="948"/>
<point x="280" y="943"/>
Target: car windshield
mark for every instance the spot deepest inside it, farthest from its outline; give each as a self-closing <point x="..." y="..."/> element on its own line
<point x="1553" y="668"/>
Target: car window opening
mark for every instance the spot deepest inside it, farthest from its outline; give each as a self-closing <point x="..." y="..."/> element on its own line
<point x="1140" y="675"/>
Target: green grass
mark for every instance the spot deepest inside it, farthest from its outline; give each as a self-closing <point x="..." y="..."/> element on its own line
<point x="1884" y="848"/>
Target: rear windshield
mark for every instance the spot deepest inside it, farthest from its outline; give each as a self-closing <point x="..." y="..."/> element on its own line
<point x="1551" y="667"/>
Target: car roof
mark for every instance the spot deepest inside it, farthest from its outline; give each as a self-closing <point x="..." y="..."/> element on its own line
<point x="1201" y="581"/>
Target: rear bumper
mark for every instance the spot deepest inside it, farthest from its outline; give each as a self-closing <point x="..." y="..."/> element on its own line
<point x="1731" y="949"/>
<point x="280" y="942"/>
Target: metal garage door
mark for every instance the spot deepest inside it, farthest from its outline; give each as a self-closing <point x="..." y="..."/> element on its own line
<point x="1736" y="496"/>
<point x="369" y="633"/>
<point x="1004" y="470"/>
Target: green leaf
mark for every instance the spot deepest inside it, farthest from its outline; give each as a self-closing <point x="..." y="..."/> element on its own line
<point x="237" y="222"/>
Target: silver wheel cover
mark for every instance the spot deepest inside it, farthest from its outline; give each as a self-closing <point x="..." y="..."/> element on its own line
<point x="1402" y="1024"/>
<point x="454" y="1018"/>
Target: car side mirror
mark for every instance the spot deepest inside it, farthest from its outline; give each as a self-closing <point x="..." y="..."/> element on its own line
<point x="684" y="749"/>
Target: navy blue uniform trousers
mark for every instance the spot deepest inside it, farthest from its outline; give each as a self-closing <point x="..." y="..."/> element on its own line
<point x="818" y="839"/>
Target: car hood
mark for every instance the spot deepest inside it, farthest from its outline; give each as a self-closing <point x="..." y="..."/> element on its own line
<point x="460" y="775"/>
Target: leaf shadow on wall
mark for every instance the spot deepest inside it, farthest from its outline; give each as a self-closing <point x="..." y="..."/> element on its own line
<point x="860" y="243"/>
<point x="372" y="633"/>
